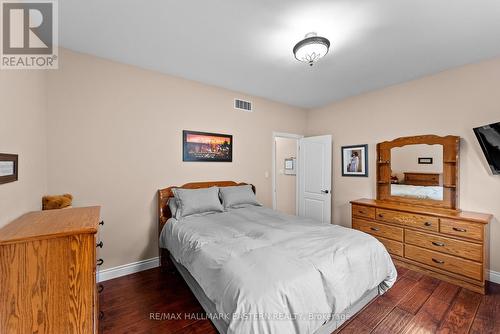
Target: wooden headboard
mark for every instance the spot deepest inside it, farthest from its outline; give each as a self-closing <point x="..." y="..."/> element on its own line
<point x="421" y="179"/>
<point x="165" y="194"/>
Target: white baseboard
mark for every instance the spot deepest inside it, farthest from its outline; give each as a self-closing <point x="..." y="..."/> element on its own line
<point x="127" y="269"/>
<point x="494" y="276"/>
<point x="134" y="267"/>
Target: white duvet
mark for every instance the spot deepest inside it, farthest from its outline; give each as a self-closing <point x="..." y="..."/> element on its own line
<point x="275" y="273"/>
<point x="422" y="192"/>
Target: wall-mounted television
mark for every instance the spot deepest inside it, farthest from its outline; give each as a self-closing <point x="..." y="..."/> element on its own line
<point x="489" y="139"/>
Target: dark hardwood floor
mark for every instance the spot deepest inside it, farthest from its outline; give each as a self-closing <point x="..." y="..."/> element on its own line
<point x="155" y="302"/>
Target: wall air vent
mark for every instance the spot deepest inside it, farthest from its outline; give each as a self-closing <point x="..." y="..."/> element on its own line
<point x="243" y="105"/>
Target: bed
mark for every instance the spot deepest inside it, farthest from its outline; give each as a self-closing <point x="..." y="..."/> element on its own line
<point x="421" y="192"/>
<point x="255" y="270"/>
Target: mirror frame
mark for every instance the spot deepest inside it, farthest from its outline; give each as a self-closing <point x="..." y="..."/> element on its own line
<point x="451" y="163"/>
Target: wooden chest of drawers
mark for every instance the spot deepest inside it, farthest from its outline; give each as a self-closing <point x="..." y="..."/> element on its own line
<point x="447" y="244"/>
<point x="48" y="272"/>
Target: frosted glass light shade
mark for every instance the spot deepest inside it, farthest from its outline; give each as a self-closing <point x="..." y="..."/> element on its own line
<point x="311" y="48"/>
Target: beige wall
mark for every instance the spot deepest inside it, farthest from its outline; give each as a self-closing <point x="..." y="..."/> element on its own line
<point x="286" y="185"/>
<point x="405" y="159"/>
<point x="23" y="132"/>
<point x="114" y="138"/>
<point x="451" y="102"/>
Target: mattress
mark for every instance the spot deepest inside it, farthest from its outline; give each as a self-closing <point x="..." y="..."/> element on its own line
<point x="269" y="272"/>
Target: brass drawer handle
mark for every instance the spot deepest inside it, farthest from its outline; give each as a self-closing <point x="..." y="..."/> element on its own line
<point x="101" y="222"/>
<point x="439" y="244"/>
<point x="100" y="288"/>
<point x="101" y="315"/>
<point x="362" y="212"/>
<point x="381" y="215"/>
<point x="100" y="262"/>
<point x="374" y="229"/>
<point x="459" y="229"/>
<point x="428" y="224"/>
<point x="437" y="261"/>
<point x="100" y="244"/>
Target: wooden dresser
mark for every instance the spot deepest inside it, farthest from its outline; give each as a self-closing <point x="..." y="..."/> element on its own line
<point x="448" y="244"/>
<point x="48" y="272"/>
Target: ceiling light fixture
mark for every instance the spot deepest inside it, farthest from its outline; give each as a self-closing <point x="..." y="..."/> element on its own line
<point x="311" y="48"/>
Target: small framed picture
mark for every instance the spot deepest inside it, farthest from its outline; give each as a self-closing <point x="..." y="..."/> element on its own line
<point x="8" y="168"/>
<point x="355" y="160"/>
<point x="425" y="161"/>
<point x="290" y="166"/>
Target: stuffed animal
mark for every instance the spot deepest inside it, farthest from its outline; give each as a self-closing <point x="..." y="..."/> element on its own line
<point x="57" y="202"/>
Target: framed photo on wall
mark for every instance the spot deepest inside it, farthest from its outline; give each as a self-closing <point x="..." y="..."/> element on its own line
<point x="206" y="146"/>
<point x="8" y="168"/>
<point x="290" y="166"/>
<point x="425" y="161"/>
<point x="355" y="160"/>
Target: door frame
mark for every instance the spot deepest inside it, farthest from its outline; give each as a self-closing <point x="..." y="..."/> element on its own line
<point x="273" y="173"/>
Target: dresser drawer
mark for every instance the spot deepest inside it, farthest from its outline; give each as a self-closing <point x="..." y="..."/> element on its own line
<point x="446" y="262"/>
<point x="379" y="230"/>
<point x="393" y="247"/>
<point x="446" y="245"/>
<point x="363" y="211"/>
<point x="408" y="219"/>
<point x="462" y="229"/>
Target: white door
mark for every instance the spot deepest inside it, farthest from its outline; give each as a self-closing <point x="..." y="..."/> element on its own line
<point x="315" y="178"/>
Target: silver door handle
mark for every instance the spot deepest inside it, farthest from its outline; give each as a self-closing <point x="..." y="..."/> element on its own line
<point x="325" y="191"/>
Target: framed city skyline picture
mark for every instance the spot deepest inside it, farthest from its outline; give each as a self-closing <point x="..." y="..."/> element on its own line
<point x="206" y="146"/>
<point x="8" y="168"/>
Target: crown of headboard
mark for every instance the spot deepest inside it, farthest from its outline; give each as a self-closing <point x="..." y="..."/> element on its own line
<point x="165" y="194"/>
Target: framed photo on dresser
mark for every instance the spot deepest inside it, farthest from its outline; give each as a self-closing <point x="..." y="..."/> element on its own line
<point x="355" y="160"/>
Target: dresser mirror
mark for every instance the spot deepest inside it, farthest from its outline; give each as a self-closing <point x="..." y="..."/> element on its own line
<point x="419" y="170"/>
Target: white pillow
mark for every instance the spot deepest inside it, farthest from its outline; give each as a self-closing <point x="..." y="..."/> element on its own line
<point x="195" y="201"/>
<point x="172" y="205"/>
<point x="237" y="196"/>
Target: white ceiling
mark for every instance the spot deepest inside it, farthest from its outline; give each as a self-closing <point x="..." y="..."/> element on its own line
<point x="247" y="45"/>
